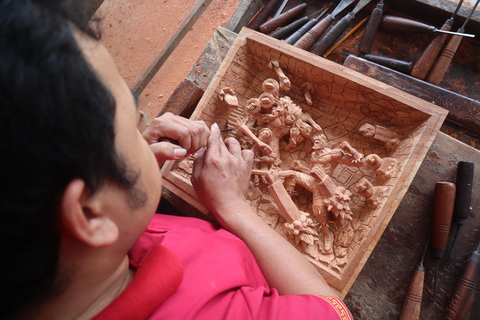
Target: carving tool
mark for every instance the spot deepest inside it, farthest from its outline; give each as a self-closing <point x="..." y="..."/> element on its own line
<point x="327" y="39"/>
<point x="443" y="62"/>
<point x="339" y="42"/>
<point x="399" y="24"/>
<point x="280" y="9"/>
<point x="366" y="42"/>
<point x="295" y="26"/>
<point x="444" y="200"/>
<point x="263" y="15"/>
<point x="398" y="65"/>
<point x="425" y="62"/>
<point x="289" y="29"/>
<point x="308" y="39"/>
<point x="413" y="300"/>
<point x="461" y="301"/>
<point x="283" y="18"/>
<point x="463" y="197"/>
<point x="300" y="32"/>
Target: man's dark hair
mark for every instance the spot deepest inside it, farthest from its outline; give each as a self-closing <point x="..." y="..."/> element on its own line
<point x="56" y="124"/>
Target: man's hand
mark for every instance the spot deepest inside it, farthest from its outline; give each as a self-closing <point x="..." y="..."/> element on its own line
<point x="172" y="137"/>
<point x="221" y="174"/>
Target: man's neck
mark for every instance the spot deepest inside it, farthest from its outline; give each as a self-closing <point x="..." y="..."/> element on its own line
<point x="86" y="295"/>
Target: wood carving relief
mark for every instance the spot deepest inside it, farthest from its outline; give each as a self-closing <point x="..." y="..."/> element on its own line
<point x="328" y="151"/>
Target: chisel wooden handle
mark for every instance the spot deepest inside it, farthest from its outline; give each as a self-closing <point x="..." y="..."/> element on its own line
<point x="426" y="60"/>
<point x="461" y="301"/>
<point x="307" y="40"/>
<point x="413" y="300"/>
<point x="443" y="62"/>
<point x="399" y="24"/>
<point x="289" y="29"/>
<point x="444" y="200"/>
<point x="263" y="15"/>
<point x="333" y="34"/>
<point x="464" y="185"/>
<point x="300" y="32"/>
<point x="365" y="44"/>
<point x="282" y="19"/>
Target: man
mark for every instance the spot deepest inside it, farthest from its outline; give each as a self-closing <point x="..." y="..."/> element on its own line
<point x="81" y="185"/>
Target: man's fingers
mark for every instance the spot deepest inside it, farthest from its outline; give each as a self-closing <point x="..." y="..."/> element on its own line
<point x="215" y="140"/>
<point x="167" y="151"/>
<point x="190" y="134"/>
<point x="248" y="157"/>
<point x="198" y="165"/>
<point x="233" y="146"/>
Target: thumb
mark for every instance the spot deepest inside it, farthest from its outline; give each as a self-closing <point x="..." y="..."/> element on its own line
<point x="167" y="151"/>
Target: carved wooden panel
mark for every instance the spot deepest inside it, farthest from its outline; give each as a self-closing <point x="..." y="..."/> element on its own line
<point x="335" y="150"/>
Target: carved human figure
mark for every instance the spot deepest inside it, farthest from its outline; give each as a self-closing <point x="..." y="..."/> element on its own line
<point x="344" y="236"/>
<point x="374" y="195"/>
<point x="266" y="161"/>
<point x="271" y="86"/>
<point x="307" y="92"/>
<point x="227" y="96"/>
<point x="328" y="158"/>
<point x="284" y="119"/>
<point x="267" y="101"/>
<point x="389" y="137"/>
<point x="384" y="168"/>
<point x="285" y="83"/>
<point x="326" y="194"/>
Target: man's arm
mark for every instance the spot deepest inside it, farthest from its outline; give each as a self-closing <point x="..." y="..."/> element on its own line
<point x="220" y="178"/>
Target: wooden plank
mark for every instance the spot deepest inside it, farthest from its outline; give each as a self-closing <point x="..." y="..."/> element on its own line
<point x="172" y="44"/>
<point x="183" y="100"/>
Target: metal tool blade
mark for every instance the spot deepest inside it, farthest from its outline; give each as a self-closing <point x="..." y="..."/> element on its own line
<point x="469" y="16"/>
<point x="359" y="6"/>
<point x="282" y="6"/>
<point x="322" y="11"/>
<point x="456" y="10"/>
<point x="341" y="6"/>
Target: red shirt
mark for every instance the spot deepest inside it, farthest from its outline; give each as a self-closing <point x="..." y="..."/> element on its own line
<point x="187" y="268"/>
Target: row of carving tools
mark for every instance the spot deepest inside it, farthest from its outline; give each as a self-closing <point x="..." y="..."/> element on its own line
<point x="451" y="206"/>
<point x="319" y="33"/>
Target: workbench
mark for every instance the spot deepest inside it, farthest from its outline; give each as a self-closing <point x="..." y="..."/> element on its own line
<point x="380" y="289"/>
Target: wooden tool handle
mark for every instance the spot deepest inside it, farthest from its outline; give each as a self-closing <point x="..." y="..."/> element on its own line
<point x="333" y="34"/>
<point x="300" y="32"/>
<point x="263" y="15"/>
<point x="444" y="200"/>
<point x="461" y="301"/>
<point x="288" y="30"/>
<point x="373" y="23"/>
<point x="426" y="60"/>
<point x="443" y="62"/>
<point x="307" y="40"/>
<point x="463" y="196"/>
<point x="398" y="24"/>
<point x="282" y="19"/>
<point x="413" y="300"/>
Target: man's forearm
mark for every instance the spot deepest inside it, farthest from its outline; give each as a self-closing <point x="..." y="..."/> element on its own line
<point x="284" y="267"/>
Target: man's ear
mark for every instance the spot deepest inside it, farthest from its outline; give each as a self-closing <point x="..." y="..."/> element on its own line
<point x="82" y="216"/>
